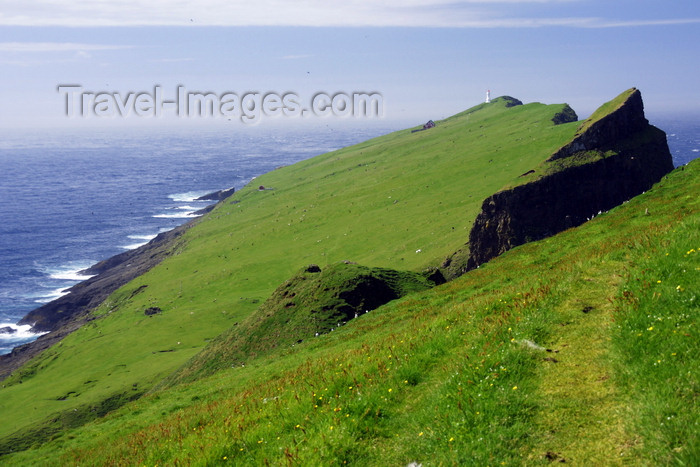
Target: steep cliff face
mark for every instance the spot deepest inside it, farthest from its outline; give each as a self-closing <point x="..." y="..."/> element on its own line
<point x="613" y="123"/>
<point x="614" y="156"/>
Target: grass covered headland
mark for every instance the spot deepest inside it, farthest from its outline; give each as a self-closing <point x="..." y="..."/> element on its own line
<point x="579" y="347"/>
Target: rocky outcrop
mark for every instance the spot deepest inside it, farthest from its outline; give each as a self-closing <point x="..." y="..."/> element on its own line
<point x="314" y="301"/>
<point x="615" y="156"/>
<point x="217" y="195"/>
<point x="566" y="115"/>
<point x="610" y="129"/>
<point x="510" y="101"/>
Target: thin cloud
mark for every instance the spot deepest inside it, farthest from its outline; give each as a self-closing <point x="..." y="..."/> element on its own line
<point x="588" y="22"/>
<point x="296" y="57"/>
<point x="173" y="60"/>
<point x="39" y="47"/>
<point x="310" y="13"/>
<point x="602" y="23"/>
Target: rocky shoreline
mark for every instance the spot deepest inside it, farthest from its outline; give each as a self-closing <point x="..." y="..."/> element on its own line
<point x="68" y="313"/>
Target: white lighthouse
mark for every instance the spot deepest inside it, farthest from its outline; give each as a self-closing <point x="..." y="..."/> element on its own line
<point x="488" y="96"/>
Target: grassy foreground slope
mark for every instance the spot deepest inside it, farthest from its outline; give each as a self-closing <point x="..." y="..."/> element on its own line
<point x="314" y="301"/>
<point x="405" y="201"/>
<point x="580" y="348"/>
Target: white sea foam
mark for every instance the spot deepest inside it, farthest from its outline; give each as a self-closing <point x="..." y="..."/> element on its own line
<point x="61" y="278"/>
<point x="69" y="271"/>
<point x="176" y="215"/>
<point x="188" y="196"/>
<point x="21" y="330"/>
<point x="21" y="333"/>
<point x="46" y="297"/>
<point x="147" y="238"/>
<point x="144" y="239"/>
<point x="70" y="275"/>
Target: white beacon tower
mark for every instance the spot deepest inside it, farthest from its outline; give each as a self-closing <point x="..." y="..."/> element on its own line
<point x="488" y="96"/>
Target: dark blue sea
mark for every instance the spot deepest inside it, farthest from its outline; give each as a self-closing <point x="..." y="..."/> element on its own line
<point x="69" y="199"/>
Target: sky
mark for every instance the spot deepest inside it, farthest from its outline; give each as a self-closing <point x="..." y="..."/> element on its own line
<point x="424" y="59"/>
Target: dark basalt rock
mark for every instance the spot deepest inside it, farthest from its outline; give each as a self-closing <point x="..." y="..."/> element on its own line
<point x="7" y="330"/>
<point x="201" y="212"/>
<point x="153" y="310"/>
<point x="217" y="195"/>
<point x="625" y="155"/>
<point x="567" y="115"/>
<point x="610" y="131"/>
<point x="511" y="101"/>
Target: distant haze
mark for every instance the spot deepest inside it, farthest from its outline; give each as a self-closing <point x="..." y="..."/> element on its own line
<point x="428" y="59"/>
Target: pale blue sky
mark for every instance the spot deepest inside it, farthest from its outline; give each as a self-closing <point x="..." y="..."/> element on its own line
<point x="428" y="59"/>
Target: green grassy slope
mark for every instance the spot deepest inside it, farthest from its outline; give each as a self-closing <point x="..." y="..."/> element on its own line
<point x="314" y="301"/>
<point x="403" y="201"/>
<point x="580" y="348"/>
<point x="604" y="110"/>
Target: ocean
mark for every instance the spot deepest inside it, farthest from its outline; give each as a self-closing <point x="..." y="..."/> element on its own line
<point x="71" y="198"/>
